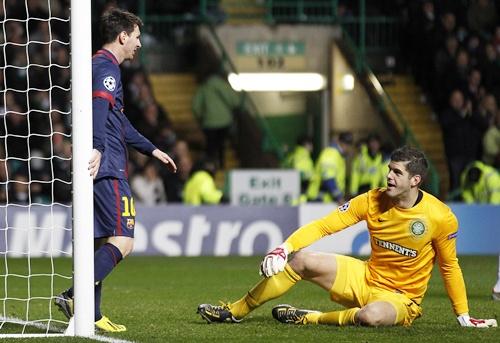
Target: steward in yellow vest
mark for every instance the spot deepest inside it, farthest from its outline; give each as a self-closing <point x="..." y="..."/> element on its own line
<point x="300" y="160"/>
<point x="480" y="183"/>
<point x="200" y="188"/>
<point x="365" y="171"/>
<point x="329" y="179"/>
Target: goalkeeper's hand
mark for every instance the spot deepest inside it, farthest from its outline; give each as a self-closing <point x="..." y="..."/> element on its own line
<point x="467" y="321"/>
<point x="274" y="262"/>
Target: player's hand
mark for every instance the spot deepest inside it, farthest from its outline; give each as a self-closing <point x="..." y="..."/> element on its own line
<point x="466" y="320"/>
<point x="165" y="159"/>
<point x="94" y="163"/>
<point x="274" y="262"/>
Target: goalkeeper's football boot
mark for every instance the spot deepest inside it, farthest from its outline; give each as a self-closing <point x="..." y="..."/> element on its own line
<point x="65" y="304"/>
<point x="217" y="313"/>
<point x="290" y="315"/>
<point x="495" y="295"/>
<point x="104" y="324"/>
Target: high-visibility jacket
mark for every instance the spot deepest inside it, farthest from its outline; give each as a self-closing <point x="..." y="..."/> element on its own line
<point x="300" y="159"/>
<point x="486" y="190"/>
<point x="200" y="189"/>
<point x="329" y="166"/>
<point x="366" y="171"/>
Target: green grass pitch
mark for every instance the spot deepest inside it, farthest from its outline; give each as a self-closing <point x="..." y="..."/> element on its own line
<point x="156" y="298"/>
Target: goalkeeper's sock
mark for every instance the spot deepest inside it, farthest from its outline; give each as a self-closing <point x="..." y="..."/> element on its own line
<point x="339" y="318"/>
<point x="267" y="289"/>
<point x="496" y="288"/>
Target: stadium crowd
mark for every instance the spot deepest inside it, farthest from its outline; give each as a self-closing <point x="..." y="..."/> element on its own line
<point x="453" y="49"/>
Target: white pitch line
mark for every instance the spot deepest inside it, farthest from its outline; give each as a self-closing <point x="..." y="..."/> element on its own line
<point x="48" y="335"/>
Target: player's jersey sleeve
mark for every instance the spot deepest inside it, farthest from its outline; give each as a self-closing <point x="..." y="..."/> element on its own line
<point x="136" y="140"/>
<point x="105" y="79"/>
<point x="344" y="216"/>
<point x="445" y="245"/>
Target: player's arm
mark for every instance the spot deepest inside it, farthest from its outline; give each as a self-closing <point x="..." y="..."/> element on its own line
<point x="103" y="98"/>
<point x="445" y="245"/>
<point x="344" y="216"/>
<point x="144" y="145"/>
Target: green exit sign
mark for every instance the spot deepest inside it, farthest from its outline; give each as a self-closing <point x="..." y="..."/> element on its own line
<point x="264" y="48"/>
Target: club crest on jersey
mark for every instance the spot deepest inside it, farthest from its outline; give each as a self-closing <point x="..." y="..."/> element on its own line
<point x="110" y="83"/>
<point x="130" y="223"/>
<point x="417" y="228"/>
<point x="344" y="207"/>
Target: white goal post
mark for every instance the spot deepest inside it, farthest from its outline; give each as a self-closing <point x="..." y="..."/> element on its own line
<point x="36" y="227"/>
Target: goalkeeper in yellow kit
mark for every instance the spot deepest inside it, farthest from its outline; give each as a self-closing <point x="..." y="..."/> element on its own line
<point x="408" y="228"/>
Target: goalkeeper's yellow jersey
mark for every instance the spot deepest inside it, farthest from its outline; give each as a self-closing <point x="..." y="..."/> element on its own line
<point x="404" y="243"/>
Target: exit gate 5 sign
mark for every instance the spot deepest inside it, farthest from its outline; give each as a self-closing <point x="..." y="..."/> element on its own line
<point x="271" y="55"/>
<point x="272" y="187"/>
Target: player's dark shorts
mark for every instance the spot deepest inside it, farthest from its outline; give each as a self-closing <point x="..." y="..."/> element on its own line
<point x="114" y="210"/>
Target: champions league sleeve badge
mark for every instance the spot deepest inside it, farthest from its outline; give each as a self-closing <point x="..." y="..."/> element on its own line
<point x="110" y="83"/>
<point x="344" y="207"/>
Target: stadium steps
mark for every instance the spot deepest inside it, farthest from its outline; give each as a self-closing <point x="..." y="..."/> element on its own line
<point x="406" y="95"/>
<point x="243" y="12"/>
<point x="175" y="93"/>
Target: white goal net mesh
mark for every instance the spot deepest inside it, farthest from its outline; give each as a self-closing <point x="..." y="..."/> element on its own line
<point x="35" y="164"/>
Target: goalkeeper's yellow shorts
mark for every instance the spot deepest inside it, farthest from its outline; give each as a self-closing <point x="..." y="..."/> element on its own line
<point x="351" y="290"/>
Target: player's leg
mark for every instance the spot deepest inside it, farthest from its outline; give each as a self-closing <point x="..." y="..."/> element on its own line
<point x="496" y="288"/>
<point x="315" y="267"/>
<point x="333" y="273"/>
<point x="115" y="223"/>
<point x="346" y="283"/>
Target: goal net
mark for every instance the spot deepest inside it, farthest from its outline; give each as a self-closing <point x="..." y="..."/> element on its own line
<point x="36" y="159"/>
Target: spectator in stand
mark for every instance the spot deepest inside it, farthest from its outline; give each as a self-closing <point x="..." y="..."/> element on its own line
<point x="496" y="39"/>
<point x="447" y="27"/>
<point x="213" y="103"/>
<point x="147" y="186"/>
<point x="491" y="143"/>
<point x="62" y="171"/>
<point x="365" y="171"/>
<point x="473" y="48"/>
<point x="152" y="122"/>
<point x="174" y="183"/>
<point x="4" y="177"/>
<point x="18" y="189"/>
<point x="490" y="67"/>
<point x="457" y="74"/>
<point x="488" y="109"/>
<point x="482" y="17"/>
<point x="461" y="128"/>
<point x="445" y="57"/>
<point x="474" y="91"/>
<point x="423" y="32"/>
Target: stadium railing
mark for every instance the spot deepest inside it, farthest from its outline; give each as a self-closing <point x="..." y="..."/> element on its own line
<point x="386" y="106"/>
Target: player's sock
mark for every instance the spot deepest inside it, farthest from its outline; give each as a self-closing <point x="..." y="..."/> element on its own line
<point x="105" y="259"/>
<point x="267" y="289"/>
<point x="97" y="302"/>
<point x="340" y="318"/>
